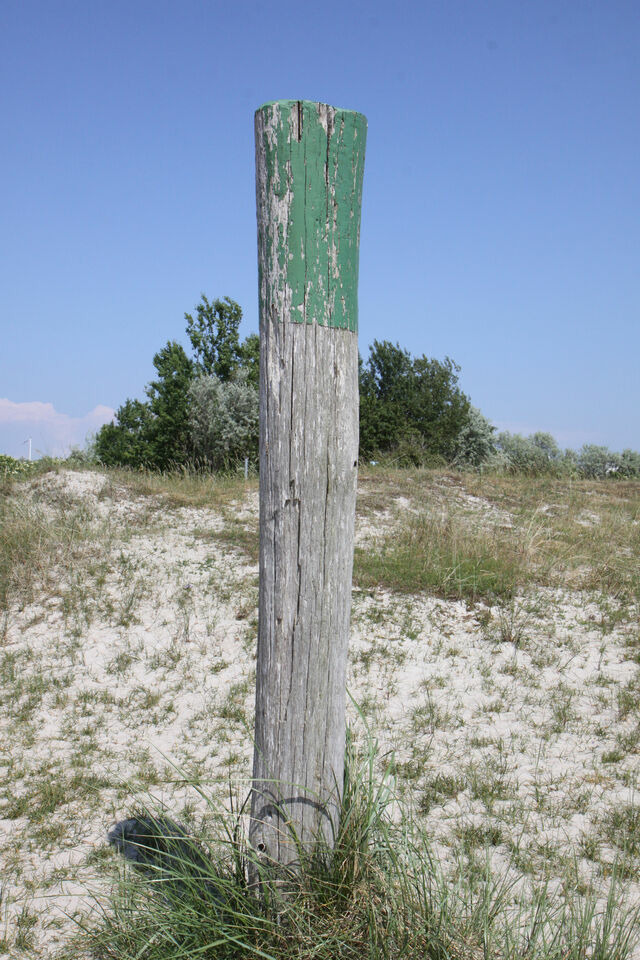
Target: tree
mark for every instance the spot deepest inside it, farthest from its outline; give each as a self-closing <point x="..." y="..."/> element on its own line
<point x="213" y="333"/>
<point x="440" y="408"/>
<point x="547" y="444"/>
<point x="250" y="358"/>
<point x="157" y="433"/>
<point x="128" y="442"/>
<point x="405" y="399"/>
<point x="169" y="405"/>
<point x="385" y="396"/>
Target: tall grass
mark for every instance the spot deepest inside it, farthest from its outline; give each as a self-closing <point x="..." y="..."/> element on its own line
<point x="445" y="556"/>
<point x="184" y="486"/>
<point x="45" y="534"/>
<point x="32" y="544"/>
<point x="379" y="894"/>
<point x="583" y="535"/>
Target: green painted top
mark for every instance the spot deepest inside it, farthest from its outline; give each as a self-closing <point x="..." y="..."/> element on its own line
<point x="314" y="159"/>
<point x="288" y="104"/>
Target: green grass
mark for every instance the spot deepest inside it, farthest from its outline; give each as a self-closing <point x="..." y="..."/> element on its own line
<point x="590" y="530"/>
<point x="45" y="542"/>
<point x="443" y="556"/>
<point x="241" y="535"/>
<point x="583" y="534"/>
<point x="621" y="827"/>
<point x="49" y="791"/>
<point x="550" y="540"/>
<point x="181" y="488"/>
<point x="378" y="894"/>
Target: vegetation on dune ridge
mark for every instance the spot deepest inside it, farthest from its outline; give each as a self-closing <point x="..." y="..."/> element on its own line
<point x="201" y="412"/>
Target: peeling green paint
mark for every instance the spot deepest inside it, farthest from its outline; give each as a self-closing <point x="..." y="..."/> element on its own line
<point x="309" y="239"/>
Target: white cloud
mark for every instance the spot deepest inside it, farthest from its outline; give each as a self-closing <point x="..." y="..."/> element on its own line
<point x="52" y="433"/>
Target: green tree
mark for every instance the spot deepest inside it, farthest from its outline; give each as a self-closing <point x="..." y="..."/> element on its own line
<point x="128" y="441"/>
<point x="405" y="400"/>
<point x="169" y="405"/>
<point x="250" y="358"/>
<point x="213" y="333"/>
<point x="157" y="433"/>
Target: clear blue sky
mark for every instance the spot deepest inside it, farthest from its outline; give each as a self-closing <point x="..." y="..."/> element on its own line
<point x="500" y="219"/>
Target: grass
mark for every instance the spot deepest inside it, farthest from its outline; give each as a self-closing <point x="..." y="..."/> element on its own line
<point x="544" y="534"/>
<point x="377" y="894"/>
<point x="621" y="827"/>
<point x="443" y="556"/>
<point x="46" y="541"/>
<point x="132" y="610"/>
<point x="182" y="488"/>
<point x="590" y="530"/>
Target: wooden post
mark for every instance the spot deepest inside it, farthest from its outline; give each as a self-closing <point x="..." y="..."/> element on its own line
<point x="309" y="168"/>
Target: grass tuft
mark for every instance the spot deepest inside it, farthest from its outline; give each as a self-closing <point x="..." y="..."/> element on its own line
<point x="379" y="894"/>
<point x="444" y="556"/>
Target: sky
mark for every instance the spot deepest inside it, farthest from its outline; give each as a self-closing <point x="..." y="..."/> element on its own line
<point x="500" y="206"/>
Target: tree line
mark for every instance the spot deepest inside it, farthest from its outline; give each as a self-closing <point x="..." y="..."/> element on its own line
<point x="202" y="411"/>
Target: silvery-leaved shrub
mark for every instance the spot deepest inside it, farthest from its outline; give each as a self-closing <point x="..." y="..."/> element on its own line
<point x="476" y="443"/>
<point x="630" y="463"/>
<point x="598" y="462"/>
<point x="538" y="453"/>
<point x="223" y="420"/>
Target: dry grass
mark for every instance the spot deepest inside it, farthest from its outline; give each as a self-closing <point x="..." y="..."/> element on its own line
<point x="543" y="532"/>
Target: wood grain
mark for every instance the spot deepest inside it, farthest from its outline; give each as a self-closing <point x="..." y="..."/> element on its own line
<point x="307" y="155"/>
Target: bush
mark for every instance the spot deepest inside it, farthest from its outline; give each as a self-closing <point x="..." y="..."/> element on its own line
<point x="11" y="469"/>
<point x="476" y="443"/>
<point x="533" y="455"/>
<point x="224" y="420"/>
<point x="539" y="453"/>
<point x="410" y="451"/>
<point x="630" y="463"/>
<point x="595" y="462"/>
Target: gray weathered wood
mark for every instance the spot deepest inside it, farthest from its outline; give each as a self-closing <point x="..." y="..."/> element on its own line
<point x="309" y="160"/>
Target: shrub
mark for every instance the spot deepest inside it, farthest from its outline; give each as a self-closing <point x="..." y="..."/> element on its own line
<point x="597" y="462"/>
<point x="536" y="454"/>
<point x="224" y="420"/>
<point x="630" y="463"/>
<point x="11" y="469"/>
<point x="476" y="442"/>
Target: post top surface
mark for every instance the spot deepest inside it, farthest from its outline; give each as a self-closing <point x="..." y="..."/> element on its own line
<point x="307" y="103"/>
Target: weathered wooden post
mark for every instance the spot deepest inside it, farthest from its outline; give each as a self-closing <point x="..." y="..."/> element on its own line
<point x="309" y="168"/>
